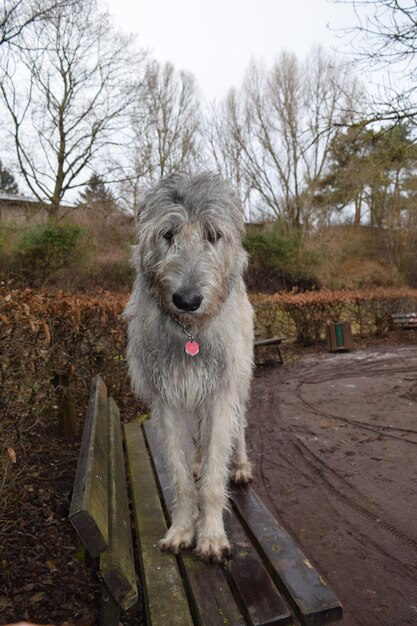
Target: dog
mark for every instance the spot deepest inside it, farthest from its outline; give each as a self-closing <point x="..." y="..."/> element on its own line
<point x="190" y="348"/>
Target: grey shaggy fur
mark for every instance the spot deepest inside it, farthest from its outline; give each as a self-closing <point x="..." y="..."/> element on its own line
<point x="189" y="261"/>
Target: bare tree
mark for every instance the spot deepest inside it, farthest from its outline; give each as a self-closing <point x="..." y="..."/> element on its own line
<point x="222" y="136"/>
<point x="385" y="38"/>
<point x="17" y="15"/>
<point x="279" y="131"/>
<point x="66" y="90"/>
<point x="165" y="128"/>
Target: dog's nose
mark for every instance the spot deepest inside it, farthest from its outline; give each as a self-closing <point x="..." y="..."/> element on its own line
<point x="187" y="301"/>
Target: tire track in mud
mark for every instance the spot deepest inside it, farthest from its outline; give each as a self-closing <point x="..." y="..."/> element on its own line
<point x="365" y="546"/>
<point x="362" y="539"/>
<point x="367" y="509"/>
<point x="380" y="429"/>
<point x="330" y="493"/>
<point x="282" y="463"/>
<point x="354" y="366"/>
<point x="258" y="450"/>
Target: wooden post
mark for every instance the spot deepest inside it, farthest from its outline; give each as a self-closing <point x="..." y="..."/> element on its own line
<point x="67" y="410"/>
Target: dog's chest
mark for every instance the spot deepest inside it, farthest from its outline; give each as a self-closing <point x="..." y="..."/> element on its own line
<point x="181" y="378"/>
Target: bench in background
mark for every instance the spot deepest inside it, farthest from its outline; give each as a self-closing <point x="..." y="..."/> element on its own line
<point x="268" y="581"/>
<point x="404" y="320"/>
<point x="274" y="341"/>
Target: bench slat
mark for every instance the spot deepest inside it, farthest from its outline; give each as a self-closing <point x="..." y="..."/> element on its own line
<point x="88" y="510"/>
<point x="117" y="565"/>
<point x="274" y="341"/>
<point x="109" y="609"/>
<point x="409" y="322"/>
<point x="212" y="596"/>
<point x="165" y="597"/>
<point x="313" y="602"/>
<point x="405" y="320"/>
<point x="264" y="605"/>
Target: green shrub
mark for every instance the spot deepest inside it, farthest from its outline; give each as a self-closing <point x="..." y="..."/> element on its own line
<point x="278" y="259"/>
<point x="47" y="248"/>
<point x="9" y="236"/>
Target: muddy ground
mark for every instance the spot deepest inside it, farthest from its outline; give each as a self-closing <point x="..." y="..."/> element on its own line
<point x="334" y="442"/>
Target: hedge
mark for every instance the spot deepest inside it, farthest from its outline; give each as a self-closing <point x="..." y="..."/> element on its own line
<point x="305" y="315"/>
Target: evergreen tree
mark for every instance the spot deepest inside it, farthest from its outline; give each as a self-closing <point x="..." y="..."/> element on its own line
<point x="8" y="183"/>
<point x="96" y="194"/>
<point x="373" y="171"/>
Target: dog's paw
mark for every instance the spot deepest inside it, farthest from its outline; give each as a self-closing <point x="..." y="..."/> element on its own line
<point x="242" y="474"/>
<point x="177" y="539"/>
<point x="213" y="550"/>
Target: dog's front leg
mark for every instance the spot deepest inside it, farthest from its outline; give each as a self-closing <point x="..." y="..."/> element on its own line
<point x="178" y="447"/>
<point x="241" y="473"/>
<point x="217" y="434"/>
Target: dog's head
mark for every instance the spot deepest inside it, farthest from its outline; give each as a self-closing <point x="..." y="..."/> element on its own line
<point x="189" y="244"/>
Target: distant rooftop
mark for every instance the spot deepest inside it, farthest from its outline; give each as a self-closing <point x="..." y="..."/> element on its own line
<point x="17" y="197"/>
<point x="21" y="199"/>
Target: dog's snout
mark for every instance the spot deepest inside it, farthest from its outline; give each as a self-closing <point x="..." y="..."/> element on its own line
<point x="187" y="301"/>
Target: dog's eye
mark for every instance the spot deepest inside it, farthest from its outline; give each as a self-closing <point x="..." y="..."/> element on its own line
<point x="213" y="237"/>
<point x="169" y="236"/>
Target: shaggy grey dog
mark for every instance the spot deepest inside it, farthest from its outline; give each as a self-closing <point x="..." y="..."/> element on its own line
<point x="190" y="348"/>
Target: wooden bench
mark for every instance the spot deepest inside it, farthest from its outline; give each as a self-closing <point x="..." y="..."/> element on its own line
<point x="268" y="581"/>
<point x="404" y="320"/>
<point x="274" y="341"/>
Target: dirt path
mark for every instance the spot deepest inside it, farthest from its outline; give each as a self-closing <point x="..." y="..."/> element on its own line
<point x="334" y="444"/>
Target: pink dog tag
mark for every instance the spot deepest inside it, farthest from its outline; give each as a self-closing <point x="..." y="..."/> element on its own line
<point x="192" y="348"/>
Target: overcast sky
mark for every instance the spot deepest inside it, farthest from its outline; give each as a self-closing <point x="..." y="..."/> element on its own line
<point x="215" y="39"/>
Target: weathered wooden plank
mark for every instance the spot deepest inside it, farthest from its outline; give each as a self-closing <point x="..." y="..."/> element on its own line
<point x="273" y="341"/>
<point x="312" y="600"/>
<point x="88" y="510"/>
<point x="213" y="600"/>
<point x="165" y="597"/>
<point x="109" y="609"/>
<point x="117" y="565"/>
<point x="260" y="598"/>
<point x="405" y="320"/>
